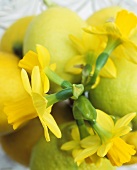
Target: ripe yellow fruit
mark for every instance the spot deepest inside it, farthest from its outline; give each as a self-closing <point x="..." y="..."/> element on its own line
<point x="103" y="15"/>
<point x="11" y="87"/>
<point x="52" y="29"/>
<point x="12" y="39"/>
<point x="19" y="145"/>
<point x="49" y="156"/>
<point x="118" y="96"/>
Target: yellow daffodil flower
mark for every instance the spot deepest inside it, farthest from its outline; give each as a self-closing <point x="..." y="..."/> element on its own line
<point x="37" y="105"/>
<point x="118" y="33"/>
<point x="20" y="111"/>
<point x="108" y="141"/>
<point x="74" y="144"/>
<point x="41" y="59"/>
<point x="36" y="91"/>
<point x="89" y="48"/>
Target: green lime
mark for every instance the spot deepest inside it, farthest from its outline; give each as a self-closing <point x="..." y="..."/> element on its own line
<point x="49" y="156"/>
<point x="118" y="96"/>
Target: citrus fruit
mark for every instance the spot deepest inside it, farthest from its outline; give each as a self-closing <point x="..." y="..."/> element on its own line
<point x="18" y="145"/>
<point x="12" y="39"/>
<point x="103" y="15"/>
<point x="62" y="112"/>
<point x="118" y="96"/>
<point x="49" y="156"/>
<point x="11" y="87"/>
<point x="51" y="29"/>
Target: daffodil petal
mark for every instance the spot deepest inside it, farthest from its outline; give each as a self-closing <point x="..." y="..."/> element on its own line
<point x="95" y="30"/>
<point x="73" y="66"/>
<point x="130" y="51"/>
<point x="69" y="145"/>
<point x="122" y="131"/>
<point x="107" y="122"/>
<point x="36" y="81"/>
<point x="29" y="61"/>
<point x="46" y="133"/>
<point x="89" y="39"/>
<point x="75" y="134"/>
<point x="90" y="141"/>
<point x="109" y="70"/>
<point x="96" y="83"/>
<point x="104" y="148"/>
<point x="43" y="56"/>
<point x="52" y="125"/>
<point x="40" y="103"/>
<point x="125" y="120"/>
<point x="76" y="152"/>
<point x="78" y="44"/>
<point x="86" y="153"/>
<point x="45" y="83"/>
<point x="25" y="80"/>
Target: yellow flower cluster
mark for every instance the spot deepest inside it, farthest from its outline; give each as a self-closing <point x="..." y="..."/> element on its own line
<point x="104" y="140"/>
<point x="34" y="63"/>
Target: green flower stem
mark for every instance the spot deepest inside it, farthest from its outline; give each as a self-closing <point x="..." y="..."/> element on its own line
<point x="82" y="128"/>
<point x="112" y="44"/>
<point x="102" y="133"/>
<point x="49" y="3"/>
<point x="56" y="78"/>
<point x="102" y="60"/>
<point x="59" y="96"/>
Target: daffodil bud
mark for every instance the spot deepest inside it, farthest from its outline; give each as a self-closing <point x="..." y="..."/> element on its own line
<point x="83" y="109"/>
<point x="78" y="89"/>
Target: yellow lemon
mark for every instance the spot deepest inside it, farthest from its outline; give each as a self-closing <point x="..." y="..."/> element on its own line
<point x="51" y="29"/>
<point x="49" y="156"/>
<point x="103" y="15"/>
<point x="12" y="39"/>
<point x="11" y="87"/>
<point x="18" y="145"/>
<point x="118" y="96"/>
